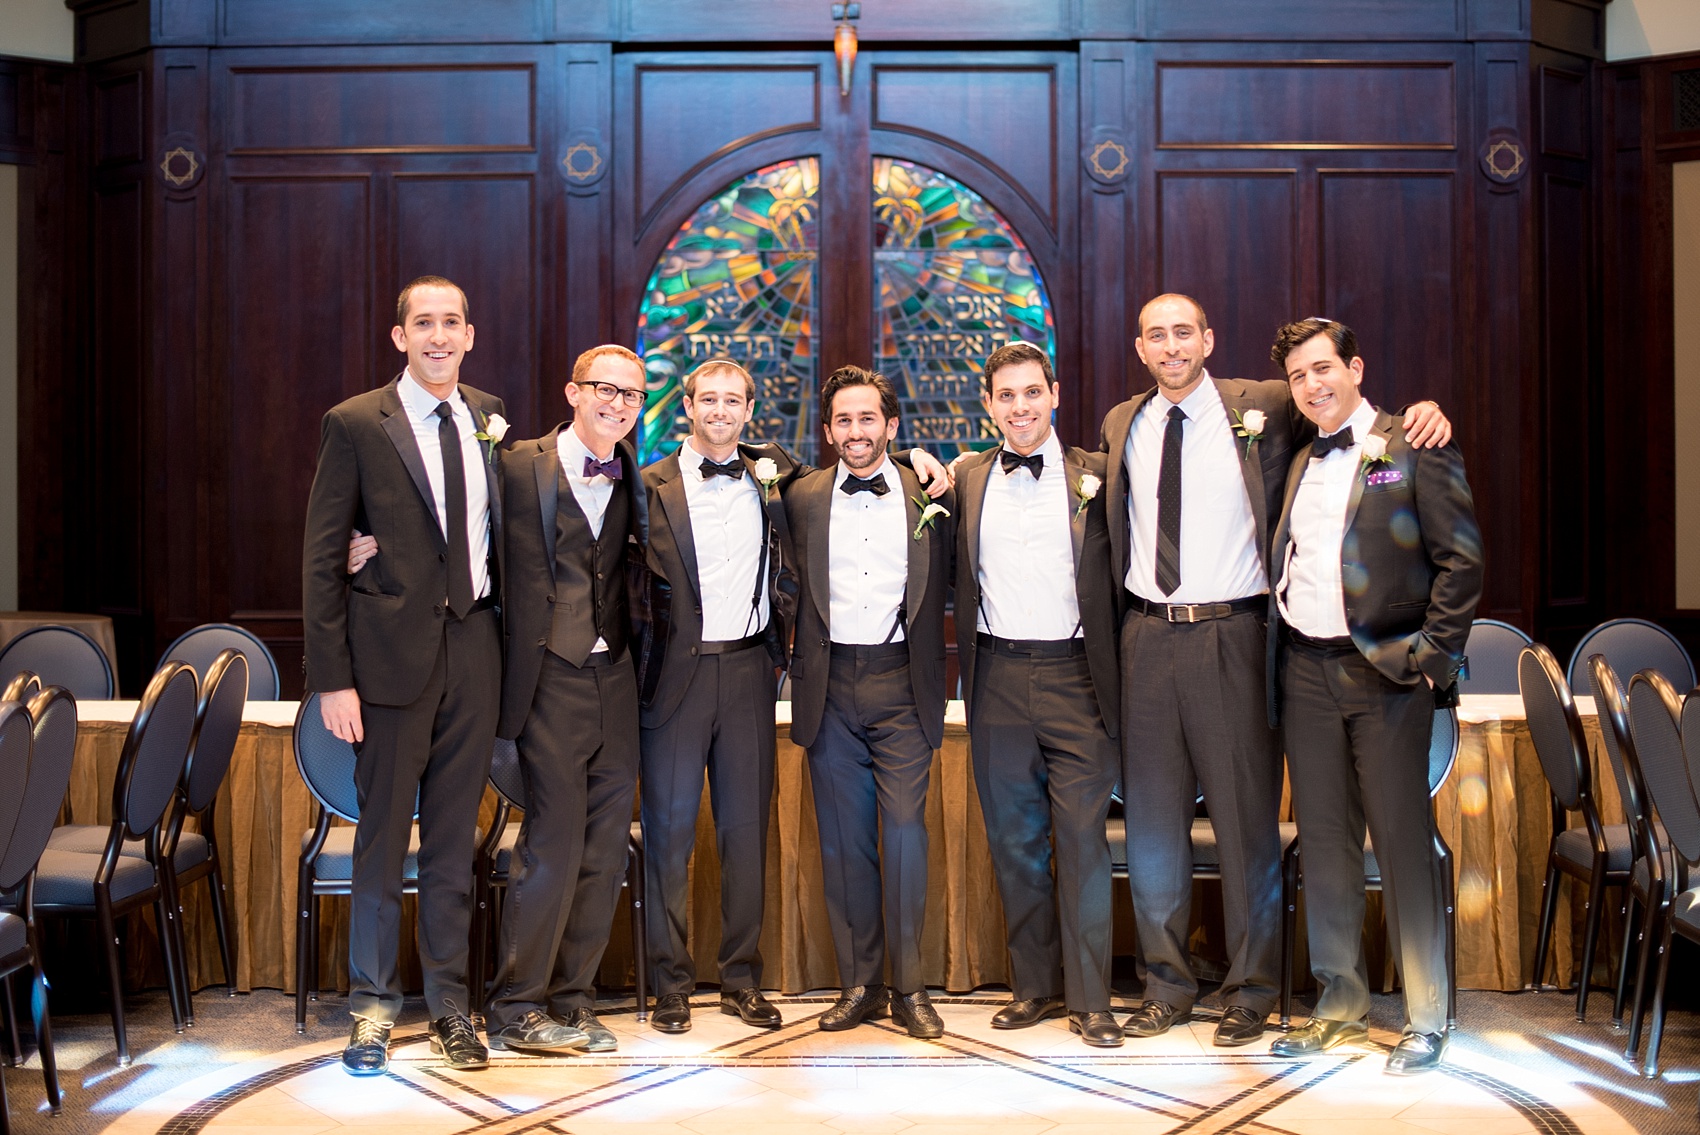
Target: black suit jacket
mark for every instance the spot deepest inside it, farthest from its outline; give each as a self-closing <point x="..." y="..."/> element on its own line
<point x="808" y="506"/>
<point x="378" y="631"/>
<point x="1411" y="562"/>
<point x="1095" y="589"/>
<point x="673" y="631"/>
<point x="1263" y="463"/>
<point x="530" y="480"/>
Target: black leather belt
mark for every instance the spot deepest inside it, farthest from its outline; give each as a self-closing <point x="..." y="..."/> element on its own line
<point x="484" y="604"/>
<point x="870" y="651"/>
<point x="1197" y="612"/>
<point x="1031" y="647"/>
<point x="1330" y="645"/>
<point x="733" y="646"/>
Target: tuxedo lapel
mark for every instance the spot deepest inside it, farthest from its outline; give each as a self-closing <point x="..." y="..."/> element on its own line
<point x="545" y="466"/>
<point x="1121" y="479"/>
<point x="671" y="492"/>
<point x="1076" y="512"/>
<point x="920" y="559"/>
<point x="771" y="503"/>
<point x="1283" y="527"/>
<point x="817" y="511"/>
<point x="1236" y="401"/>
<point x="1384" y="428"/>
<point x="971" y="499"/>
<point x="481" y="418"/>
<point x="400" y="432"/>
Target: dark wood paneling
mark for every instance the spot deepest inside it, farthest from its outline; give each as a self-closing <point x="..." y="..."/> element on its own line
<point x="1219" y="229"/>
<point x="1577" y="26"/>
<point x="1387" y="271"/>
<point x="298" y="346"/>
<point x="1565" y="309"/>
<point x="422" y="21"/>
<point x="676" y="21"/>
<point x="1108" y="239"/>
<point x="1305" y="105"/>
<point x="120" y="330"/>
<point x="1306" y="19"/>
<point x="1563" y="114"/>
<point x="1004" y="116"/>
<point x="118" y="118"/>
<point x="382" y="110"/>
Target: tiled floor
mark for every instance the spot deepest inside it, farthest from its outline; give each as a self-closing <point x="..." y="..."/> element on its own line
<point x="722" y="1078"/>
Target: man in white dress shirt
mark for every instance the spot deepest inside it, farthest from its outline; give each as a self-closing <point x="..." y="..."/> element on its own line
<point x="1036" y="635"/>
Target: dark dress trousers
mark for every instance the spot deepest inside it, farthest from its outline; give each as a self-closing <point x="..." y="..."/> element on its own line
<point x="708" y="710"/>
<point x="1193" y="717"/>
<point x="428" y="684"/>
<point x="574" y="714"/>
<point x="1357" y="719"/>
<point x="1041" y="724"/>
<point x="870" y="718"/>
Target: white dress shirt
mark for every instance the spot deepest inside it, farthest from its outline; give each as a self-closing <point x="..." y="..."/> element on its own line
<point x="1027" y="588"/>
<point x="867" y="559"/>
<point x="1219" y="560"/>
<point x="421" y="409"/>
<point x="592" y="495"/>
<point x="1311" y="593"/>
<point x="726" y="524"/>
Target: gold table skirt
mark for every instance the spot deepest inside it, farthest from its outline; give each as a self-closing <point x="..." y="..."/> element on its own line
<point x="1494" y="812"/>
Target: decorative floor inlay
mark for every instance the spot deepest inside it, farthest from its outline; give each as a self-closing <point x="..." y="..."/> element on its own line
<point x="722" y="1078"/>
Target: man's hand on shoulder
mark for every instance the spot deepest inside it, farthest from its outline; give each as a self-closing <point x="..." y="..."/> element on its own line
<point x="934" y="477"/>
<point x="340" y="710"/>
<point x="1426" y="427"/>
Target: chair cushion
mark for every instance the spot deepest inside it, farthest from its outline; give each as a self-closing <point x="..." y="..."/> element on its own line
<point x="1205" y="854"/>
<point x="90" y="839"/>
<point x="14" y="935"/>
<point x="1686" y="911"/>
<point x="336" y="859"/>
<point x="503" y="859"/>
<point x="66" y="878"/>
<point x="1573" y="846"/>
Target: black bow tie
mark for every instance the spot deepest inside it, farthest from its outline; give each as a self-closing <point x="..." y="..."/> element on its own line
<point x="1323" y="446"/>
<point x="1012" y="461"/>
<point x="609" y="468"/>
<point x="733" y="469"/>
<point x="854" y="484"/>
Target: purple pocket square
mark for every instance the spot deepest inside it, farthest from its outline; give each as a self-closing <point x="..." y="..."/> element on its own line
<point x="1385" y="477"/>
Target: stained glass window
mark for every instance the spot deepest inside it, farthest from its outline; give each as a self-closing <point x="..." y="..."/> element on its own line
<point x="952" y="284"/>
<point x="739" y="281"/>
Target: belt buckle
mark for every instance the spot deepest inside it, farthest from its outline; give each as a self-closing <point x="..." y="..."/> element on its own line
<point x="1175" y="610"/>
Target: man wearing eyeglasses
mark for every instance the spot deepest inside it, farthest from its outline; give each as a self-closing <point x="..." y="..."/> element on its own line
<point x="570" y="699"/>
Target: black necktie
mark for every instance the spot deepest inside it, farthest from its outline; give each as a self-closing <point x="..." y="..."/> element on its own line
<point x="1012" y="461"/>
<point x="609" y="468"/>
<point x="854" y="484"/>
<point x="1169" y="505"/>
<point x="1323" y="446"/>
<point x="733" y="469"/>
<point x="454" y="488"/>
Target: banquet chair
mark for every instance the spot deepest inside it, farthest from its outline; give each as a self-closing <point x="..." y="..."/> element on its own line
<point x="1492" y="652"/>
<point x="1667" y="759"/>
<point x="62" y="656"/>
<point x="1443" y="745"/>
<point x="1595" y="854"/>
<point x="109" y="884"/>
<point x="53" y="713"/>
<point x="18" y="951"/>
<point x="490" y="878"/>
<point x="326" y="764"/>
<point x="1630" y="645"/>
<point x="23" y="686"/>
<point x="200" y="646"/>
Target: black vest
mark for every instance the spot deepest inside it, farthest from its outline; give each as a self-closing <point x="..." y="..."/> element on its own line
<point x="590" y="576"/>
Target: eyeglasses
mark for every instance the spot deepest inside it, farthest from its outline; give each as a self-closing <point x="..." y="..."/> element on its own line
<point x="607" y="392"/>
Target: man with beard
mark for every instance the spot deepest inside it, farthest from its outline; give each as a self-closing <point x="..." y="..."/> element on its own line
<point x="1196" y="470"/>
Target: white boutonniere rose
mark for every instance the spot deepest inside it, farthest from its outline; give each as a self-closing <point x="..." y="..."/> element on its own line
<point x="495" y="429"/>
<point x="767" y="472"/>
<point x="1249" y="426"/>
<point x="1087" y="489"/>
<point x="1375" y="451"/>
<point x="930" y="512"/>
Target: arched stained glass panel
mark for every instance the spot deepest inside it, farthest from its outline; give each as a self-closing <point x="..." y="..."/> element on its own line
<point x="739" y="280"/>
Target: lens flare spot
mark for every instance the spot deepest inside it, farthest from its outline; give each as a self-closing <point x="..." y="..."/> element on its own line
<point x="1472" y="796"/>
<point x="1403" y="527"/>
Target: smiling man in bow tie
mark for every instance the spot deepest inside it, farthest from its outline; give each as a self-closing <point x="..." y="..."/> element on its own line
<point x="1380" y="572"/>
<point x="1036" y="635"/>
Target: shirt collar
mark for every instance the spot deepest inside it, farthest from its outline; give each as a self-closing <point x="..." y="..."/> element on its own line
<point x="1051" y="448"/>
<point x="1361" y="422"/>
<point x="690" y="461"/>
<point x="421" y="403"/>
<point x="1194" y="405"/>
<point x="573" y="451"/>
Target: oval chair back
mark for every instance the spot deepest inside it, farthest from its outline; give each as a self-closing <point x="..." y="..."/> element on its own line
<point x="224" y="695"/>
<point x="23" y="686"/>
<point x="1493" y="650"/>
<point x="1554" y="726"/>
<point x="15" y="742"/>
<point x="1612" y="706"/>
<point x="53" y="713"/>
<point x="63" y="656"/>
<point x="200" y="646"/>
<point x="1691" y="739"/>
<point x="1442" y="748"/>
<point x="326" y="763"/>
<point x="156" y="750"/>
<point x="1654" y="715"/>
<point x="505" y="775"/>
<point x="1632" y="645"/>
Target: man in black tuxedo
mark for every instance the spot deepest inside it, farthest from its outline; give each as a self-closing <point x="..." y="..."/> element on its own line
<point x="722" y="599"/>
<point x="1380" y="570"/>
<point x="1196" y="467"/>
<point x="405" y="655"/>
<point x="868" y="694"/>
<point x="1036" y="635"/>
<point x="570" y="699"/>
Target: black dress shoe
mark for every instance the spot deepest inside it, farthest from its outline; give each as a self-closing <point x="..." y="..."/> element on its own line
<point x="751" y="1007"/>
<point x="1416" y="1053"/>
<point x="1022" y="1014"/>
<point x="1317" y="1036"/>
<point x="537" y="1032"/>
<point x="454" y="1038"/>
<point x="915" y="1012"/>
<point x="672" y="1014"/>
<point x="1097" y="1029"/>
<point x="1152" y="1018"/>
<point x="856" y="1004"/>
<point x="1238" y="1026"/>
<point x="600" y="1036"/>
<point x="368" y="1050"/>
